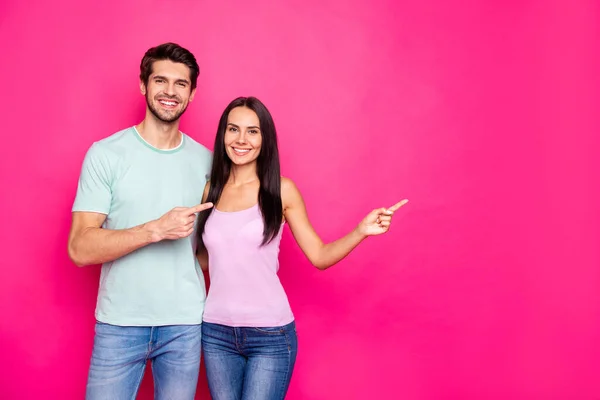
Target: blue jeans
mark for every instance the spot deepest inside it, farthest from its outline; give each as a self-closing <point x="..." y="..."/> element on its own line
<point x="120" y="354"/>
<point x="249" y="363"/>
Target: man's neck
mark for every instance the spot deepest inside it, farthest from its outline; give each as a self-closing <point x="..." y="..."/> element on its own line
<point x="162" y="135"/>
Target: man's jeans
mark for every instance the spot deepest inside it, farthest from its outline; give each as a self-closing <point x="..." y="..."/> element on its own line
<point x="120" y="354"/>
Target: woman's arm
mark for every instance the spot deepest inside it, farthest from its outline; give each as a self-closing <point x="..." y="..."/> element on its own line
<point x="323" y="255"/>
<point x="201" y="253"/>
<point x="202" y="256"/>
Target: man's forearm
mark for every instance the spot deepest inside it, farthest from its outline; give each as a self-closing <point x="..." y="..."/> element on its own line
<point x="97" y="245"/>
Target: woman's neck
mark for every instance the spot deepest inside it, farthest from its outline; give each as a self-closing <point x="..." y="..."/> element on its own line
<point x="242" y="174"/>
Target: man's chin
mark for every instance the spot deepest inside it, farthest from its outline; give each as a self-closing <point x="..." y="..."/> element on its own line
<point x="165" y="117"/>
<point x="169" y="119"/>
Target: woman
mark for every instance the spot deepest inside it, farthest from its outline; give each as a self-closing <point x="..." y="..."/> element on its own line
<point x="248" y="331"/>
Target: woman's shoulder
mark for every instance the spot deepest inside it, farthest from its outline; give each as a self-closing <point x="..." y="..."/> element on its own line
<point x="289" y="191"/>
<point x="287" y="185"/>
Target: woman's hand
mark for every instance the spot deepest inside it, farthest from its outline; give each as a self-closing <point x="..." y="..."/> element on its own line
<point x="379" y="220"/>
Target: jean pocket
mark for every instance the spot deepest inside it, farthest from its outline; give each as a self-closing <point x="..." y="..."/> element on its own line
<point x="276" y="330"/>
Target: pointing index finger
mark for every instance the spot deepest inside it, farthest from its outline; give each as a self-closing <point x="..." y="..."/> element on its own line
<point x="397" y="205"/>
<point x="200" y="207"/>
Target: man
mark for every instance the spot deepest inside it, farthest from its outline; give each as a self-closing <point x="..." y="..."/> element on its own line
<point x="135" y="212"/>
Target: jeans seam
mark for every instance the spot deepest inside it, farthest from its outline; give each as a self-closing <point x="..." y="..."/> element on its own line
<point x="149" y="351"/>
<point x="287" y="341"/>
<point x="287" y="372"/>
<point x="156" y="382"/>
<point x="137" y="386"/>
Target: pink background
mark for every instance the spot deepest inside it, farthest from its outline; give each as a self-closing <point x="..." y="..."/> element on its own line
<point x="483" y="114"/>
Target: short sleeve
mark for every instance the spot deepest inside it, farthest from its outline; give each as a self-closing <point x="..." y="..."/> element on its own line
<point x="94" y="188"/>
<point x="209" y="160"/>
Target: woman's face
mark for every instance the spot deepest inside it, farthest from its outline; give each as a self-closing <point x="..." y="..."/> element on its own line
<point x="243" y="137"/>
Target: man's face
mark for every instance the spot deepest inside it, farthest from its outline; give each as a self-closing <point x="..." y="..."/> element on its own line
<point x="169" y="90"/>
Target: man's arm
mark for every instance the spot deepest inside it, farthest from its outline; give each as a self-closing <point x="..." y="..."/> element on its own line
<point x="89" y="244"/>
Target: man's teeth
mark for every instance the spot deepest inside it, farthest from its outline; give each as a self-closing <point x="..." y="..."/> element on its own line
<point x="168" y="103"/>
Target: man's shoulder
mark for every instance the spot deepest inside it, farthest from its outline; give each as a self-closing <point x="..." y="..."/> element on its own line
<point x="117" y="139"/>
<point x="196" y="147"/>
<point x="112" y="145"/>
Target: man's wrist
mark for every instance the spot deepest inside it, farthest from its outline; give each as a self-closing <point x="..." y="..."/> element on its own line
<point x="151" y="232"/>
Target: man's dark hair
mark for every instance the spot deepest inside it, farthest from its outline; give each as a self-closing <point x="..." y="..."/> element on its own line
<point x="172" y="52"/>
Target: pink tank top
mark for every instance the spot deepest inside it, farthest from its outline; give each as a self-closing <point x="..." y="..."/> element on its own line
<point x="244" y="287"/>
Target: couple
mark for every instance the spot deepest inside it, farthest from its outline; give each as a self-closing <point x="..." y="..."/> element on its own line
<point x="147" y="210"/>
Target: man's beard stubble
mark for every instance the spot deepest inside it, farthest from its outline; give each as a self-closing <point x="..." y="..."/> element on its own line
<point x="156" y="113"/>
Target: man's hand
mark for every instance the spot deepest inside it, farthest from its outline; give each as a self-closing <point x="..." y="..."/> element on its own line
<point x="177" y="223"/>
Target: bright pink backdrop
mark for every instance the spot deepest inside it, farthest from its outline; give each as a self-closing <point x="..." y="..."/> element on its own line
<point x="484" y="114"/>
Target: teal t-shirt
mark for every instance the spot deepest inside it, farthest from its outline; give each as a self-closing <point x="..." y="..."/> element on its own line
<point x="133" y="182"/>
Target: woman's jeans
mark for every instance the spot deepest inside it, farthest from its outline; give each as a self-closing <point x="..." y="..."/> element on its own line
<point x="244" y="363"/>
